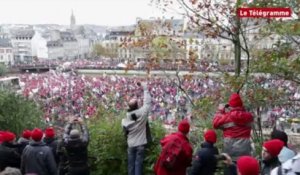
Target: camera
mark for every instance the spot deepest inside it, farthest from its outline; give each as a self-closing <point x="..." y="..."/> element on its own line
<point x="220" y="157"/>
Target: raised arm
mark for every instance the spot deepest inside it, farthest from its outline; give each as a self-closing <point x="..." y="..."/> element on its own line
<point x="67" y="131"/>
<point x="85" y="133"/>
<point x="147" y="97"/>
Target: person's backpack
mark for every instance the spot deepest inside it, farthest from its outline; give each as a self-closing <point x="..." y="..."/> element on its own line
<point x="170" y="153"/>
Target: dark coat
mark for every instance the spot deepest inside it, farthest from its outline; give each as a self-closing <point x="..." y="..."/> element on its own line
<point x="38" y="158"/>
<point x="22" y="143"/>
<point x="9" y="156"/>
<point x="205" y="162"/>
<point x="269" y="165"/>
<point x="77" y="151"/>
<point x="63" y="159"/>
<point x="52" y="143"/>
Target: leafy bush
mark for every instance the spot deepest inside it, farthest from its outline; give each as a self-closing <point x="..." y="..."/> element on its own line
<point x="108" y="147"/>
<point x="3" y="70"/>
<point x="18" y="113"/>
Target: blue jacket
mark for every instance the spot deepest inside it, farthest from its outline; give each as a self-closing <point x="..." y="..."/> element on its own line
<point x="204" y="162"/>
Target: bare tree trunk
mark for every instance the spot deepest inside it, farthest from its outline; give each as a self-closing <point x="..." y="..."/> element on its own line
<point x="237" y="48"/>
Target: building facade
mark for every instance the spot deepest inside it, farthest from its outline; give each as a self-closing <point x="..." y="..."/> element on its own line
<point x="22" y="46"/>
<point x="6" y="52"/>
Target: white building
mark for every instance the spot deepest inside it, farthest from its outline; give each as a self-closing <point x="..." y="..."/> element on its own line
<point x="114" y="39"/>
<point x="70" y="45"/>
<point x="83" y="41"/>
<point x="6" y="52"/>
<point x="22" y="46"/>
<point x="55" y="50"/>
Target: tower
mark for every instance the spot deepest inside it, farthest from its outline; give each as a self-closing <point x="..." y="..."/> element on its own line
<point x="73" y="21"/>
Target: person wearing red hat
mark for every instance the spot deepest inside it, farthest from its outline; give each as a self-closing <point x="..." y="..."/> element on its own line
<point x="246" y="165"/>
<point x="270" y="152"/>
<point x="1" y="137"/>
<point x="52" y="142"/>
<point x="24" y="140"/>
<point x="9" y="155"/>
<point x="205" y="162"/>
<point x="37" y="158"/>
<point x="236" y="126"/>
<point x="176" y="153"/>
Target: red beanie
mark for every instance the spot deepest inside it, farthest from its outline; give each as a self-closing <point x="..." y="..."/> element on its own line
<point x="8" y="136"/>
<point x="235" y="100"/>
<point x="49" y="132"/>
<point x="210" y="136"/>
<point x="26" y="134"/>
<point x="37" y="135"/>
<point x="273" y="146"/>
<point x="1" y="136"/>
<point x="184" y="127"/>
<point x="248" y="165"/>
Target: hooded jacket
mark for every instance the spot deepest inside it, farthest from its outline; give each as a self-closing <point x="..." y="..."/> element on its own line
<point x="236" y="126"/>
<point x="137" y="129"/>
<point x="185" y="157"/>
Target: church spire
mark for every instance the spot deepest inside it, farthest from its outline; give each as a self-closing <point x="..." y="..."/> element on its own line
<point x="73" y="20"/>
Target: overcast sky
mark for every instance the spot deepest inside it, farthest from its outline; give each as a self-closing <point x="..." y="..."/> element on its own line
<point x="101" y="12"/>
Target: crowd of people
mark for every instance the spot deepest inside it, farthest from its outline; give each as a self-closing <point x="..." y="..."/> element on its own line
<point x="40" y="152"/>
<point x="63" y="93"/>
<point x="68" y="94"/>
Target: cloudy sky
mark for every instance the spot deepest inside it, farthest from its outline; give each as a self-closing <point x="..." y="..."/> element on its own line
<point x="101" y="12"/>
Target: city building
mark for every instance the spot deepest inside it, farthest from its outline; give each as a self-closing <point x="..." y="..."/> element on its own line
<point x="22" y="46"/>
<point x="6" y="52"/>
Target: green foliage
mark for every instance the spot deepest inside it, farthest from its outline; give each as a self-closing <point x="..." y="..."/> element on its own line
<point x="18" y="113"/>
<point x="3" y="70"/>
<point x="99" y="50"/>
<point x="108" y="146"/>
<point x="282" y="61"/>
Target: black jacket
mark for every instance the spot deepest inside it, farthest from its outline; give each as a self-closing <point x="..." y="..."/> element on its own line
<point x="76" y="149"/>
<point x="52" y="143"/>
<point x="38" y="158"/>
<point x="22" y="143"/>
<point x="269" y="165"/>
<point x="204" y="162"/>
<point x="9" y="156"/>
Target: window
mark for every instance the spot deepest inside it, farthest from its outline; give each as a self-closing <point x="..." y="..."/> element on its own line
<point x="1" y="57"/>
<point x="1" y="50"/>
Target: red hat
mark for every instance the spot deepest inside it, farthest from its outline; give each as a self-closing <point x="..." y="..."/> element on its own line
<point x="273" y="146"/>
<point x="26" y="134"/>
<point x="1" y="136"/>
<point x="235" y="100"/>
<point x="8" y="136"/>
<point x="248" y="165"/>
<point x="37" y="134"/>
<point x="49" y="132"/>
<point x="184" y="127"/>
<point x="210" y="136"/>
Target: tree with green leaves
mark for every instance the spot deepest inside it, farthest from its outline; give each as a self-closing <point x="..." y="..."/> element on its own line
<point x="18" y="113"/>
<point x="100" y="50"/>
